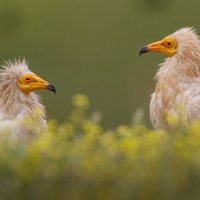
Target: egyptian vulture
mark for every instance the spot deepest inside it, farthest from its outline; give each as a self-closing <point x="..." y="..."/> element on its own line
<point x="21" y="111"/>
<point x="177" y="91"/>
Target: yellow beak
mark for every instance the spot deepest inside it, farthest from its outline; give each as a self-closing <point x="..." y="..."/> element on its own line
<point x="31" y="82"/>
<point x="153" y="47"/>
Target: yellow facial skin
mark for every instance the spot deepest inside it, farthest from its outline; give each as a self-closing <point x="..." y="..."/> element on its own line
<point x="31" y="82"/>
<point x="168" y="46"/>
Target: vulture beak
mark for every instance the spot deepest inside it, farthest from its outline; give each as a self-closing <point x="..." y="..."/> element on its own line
<point x="153" y="47"/>
<point x="39" y="84"/>
<point x="167" y="46"/>
<point x="31" y="82"/>
<point x="143" y="50"/>
<point x="51" y="88"/>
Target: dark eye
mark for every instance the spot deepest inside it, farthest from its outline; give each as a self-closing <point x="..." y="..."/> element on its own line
<point x="169" y="43"/>
<point x="28" y="79"/>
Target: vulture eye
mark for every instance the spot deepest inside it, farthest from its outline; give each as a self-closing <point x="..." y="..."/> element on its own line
<point x="168" y="44"/>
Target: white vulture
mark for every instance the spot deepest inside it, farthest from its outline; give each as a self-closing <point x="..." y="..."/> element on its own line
<point x="177" y="92"/>
<point x="20" y="109"/>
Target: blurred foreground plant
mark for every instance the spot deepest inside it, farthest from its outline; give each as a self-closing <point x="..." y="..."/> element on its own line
<point x="80" y="160"/>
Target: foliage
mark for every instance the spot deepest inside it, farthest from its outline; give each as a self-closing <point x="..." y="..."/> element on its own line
<point x="80" y="160"/>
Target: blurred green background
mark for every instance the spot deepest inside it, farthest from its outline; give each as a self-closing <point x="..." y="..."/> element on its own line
<point x="91" y="47"/>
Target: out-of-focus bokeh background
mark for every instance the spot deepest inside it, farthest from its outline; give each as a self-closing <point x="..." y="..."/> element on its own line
<point x="91" y="47"/>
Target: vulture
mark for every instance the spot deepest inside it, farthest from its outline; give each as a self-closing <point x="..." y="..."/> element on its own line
<point x="176" y="99"/>
<point x="21" y="112"/>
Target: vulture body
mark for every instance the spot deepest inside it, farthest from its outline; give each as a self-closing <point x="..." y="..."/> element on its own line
<point x="21" y="111"/>
<point x="177" y="92"/>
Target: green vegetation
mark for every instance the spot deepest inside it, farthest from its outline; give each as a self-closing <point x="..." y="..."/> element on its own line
<point x="81" y="160"/>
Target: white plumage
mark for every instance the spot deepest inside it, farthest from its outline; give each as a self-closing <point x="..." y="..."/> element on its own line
<point x="21" y="113"/>
<point x="177" y="92"/>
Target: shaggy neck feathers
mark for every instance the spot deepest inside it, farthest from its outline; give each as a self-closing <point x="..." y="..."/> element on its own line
<point x="186" y="62"/>
<point x="12" y="101"/>
<point x="177" y="80"/>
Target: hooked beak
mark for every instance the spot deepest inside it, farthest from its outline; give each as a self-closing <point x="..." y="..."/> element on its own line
<point x="153" y="47"/>
<point x="143" y="50"/>
<point x="51" y="88"/>
<point x="31" y="82"/>
<point x="40" y="83"/>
